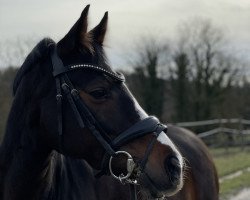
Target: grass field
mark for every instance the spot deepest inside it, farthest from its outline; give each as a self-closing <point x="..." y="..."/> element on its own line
<point x="229" y="187"/>
<point x="229" y="161"/>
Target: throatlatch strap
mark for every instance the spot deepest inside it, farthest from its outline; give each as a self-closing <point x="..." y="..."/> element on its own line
<point x="132" y="189"/>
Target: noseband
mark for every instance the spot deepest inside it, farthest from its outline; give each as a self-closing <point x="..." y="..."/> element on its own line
<point x="84" y="117"/>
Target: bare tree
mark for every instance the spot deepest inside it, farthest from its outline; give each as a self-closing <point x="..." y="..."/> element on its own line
<point x="6" y="79"/>
<point x="13" y="52"/>
<point x="212" y="72"/>
<point x="146" y="81"/>
<point x="180" y="86"/>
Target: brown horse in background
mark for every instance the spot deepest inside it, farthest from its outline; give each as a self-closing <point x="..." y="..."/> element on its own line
<point x="201" y="180"/>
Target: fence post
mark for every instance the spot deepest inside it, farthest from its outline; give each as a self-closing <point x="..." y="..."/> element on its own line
<point x="224" y="135"/>
<point x="241" y="134"/>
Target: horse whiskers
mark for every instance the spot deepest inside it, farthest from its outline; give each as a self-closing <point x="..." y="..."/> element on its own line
<point x="185" y="165"/>
<point x="142" y="195"/>
<point x="186" y="168"/>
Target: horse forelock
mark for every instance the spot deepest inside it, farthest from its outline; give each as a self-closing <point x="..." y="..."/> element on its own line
<point x="101" y="57"/>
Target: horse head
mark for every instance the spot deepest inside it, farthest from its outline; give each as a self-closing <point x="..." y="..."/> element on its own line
<point x="83" y="109"/>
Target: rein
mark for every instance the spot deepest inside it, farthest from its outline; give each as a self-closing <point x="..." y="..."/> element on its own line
<point x="66" y="90"/>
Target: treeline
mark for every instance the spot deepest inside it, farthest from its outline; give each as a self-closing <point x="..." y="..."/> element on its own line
<point x="6" y="79"/>
<point x="194" y="78"/>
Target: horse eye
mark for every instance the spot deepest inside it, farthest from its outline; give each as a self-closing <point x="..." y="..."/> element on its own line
<point x="99" y="93"/>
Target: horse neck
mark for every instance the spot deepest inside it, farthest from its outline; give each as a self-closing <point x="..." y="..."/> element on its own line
<point x="29" y="174"/>
<point x="25" y="163"/>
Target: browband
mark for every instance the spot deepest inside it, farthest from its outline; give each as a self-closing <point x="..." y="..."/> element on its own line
<point x="59" y="68"/>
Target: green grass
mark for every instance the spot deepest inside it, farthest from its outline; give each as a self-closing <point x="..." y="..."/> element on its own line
<point x="230" y="161"/>
<point x="229" y="187"/>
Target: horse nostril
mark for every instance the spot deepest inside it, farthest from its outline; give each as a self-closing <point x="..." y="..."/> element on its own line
<point x="173" y="169"/>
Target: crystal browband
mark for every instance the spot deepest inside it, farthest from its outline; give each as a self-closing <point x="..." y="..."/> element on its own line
<point x="117" y="76"/>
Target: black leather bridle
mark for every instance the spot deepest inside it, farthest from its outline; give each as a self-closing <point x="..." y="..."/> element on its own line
<point x="85" y="118"/>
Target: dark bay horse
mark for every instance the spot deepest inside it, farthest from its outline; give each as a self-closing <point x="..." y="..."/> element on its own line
<point x="201" y="181"/>
<point x="69" y="105"/>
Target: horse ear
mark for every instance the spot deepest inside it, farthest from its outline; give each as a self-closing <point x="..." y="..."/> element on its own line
<point x="77" y="34"/>
<point x="98" y="33"/>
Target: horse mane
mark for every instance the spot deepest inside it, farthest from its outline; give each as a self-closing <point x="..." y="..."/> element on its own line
<point x="24" y="87"/>
<point x="38" y="51"/>
<point x="12" y="138"/>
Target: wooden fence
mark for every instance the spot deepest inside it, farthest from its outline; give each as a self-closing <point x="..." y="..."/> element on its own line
<point x="225" y="132"/>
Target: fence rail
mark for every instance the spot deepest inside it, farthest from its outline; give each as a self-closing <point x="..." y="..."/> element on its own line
<point x="223" y="130"/>
<point x="239" y="128"/>
<point x="213" y="121"/>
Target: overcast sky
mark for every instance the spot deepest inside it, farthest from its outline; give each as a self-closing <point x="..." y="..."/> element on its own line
<point x="128" y="20"/>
